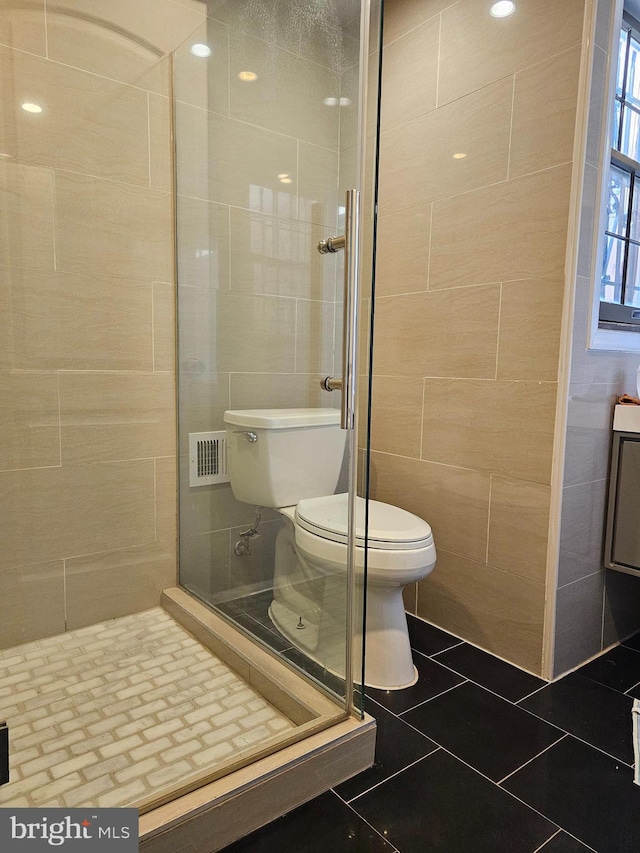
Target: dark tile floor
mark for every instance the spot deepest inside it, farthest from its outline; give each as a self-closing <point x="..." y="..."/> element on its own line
<point x="480" y="757"/>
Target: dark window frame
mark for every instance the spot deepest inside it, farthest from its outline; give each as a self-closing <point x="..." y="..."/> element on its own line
<point x="617" y="315"/>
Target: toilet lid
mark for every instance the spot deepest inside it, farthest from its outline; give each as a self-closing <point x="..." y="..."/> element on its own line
<point x="390" y="528"/>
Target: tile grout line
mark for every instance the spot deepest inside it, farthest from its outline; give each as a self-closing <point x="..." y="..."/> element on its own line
<point x="542" y="752"/>
<point x="577" y="737"/>
<point x="365" y="821"/>
<point x="149" y="138"/>
<point x="392" y="776"/>
<point x="491" y="476"/>
<point x="544" y="843"/>
<point x="430" y="699"/>
<point x="513" y="101"/>
<point x="46" y="30"/>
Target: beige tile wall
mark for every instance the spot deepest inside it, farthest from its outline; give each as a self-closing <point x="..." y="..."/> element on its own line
<point x="477" y="137"/>
<point x="259" y="165"/>
<point x="87" y="325"/>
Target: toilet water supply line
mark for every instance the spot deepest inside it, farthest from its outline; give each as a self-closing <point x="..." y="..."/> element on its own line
<point x="242" y="547"/>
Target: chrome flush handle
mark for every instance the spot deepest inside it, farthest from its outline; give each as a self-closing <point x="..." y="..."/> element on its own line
<point x="250" y="436"/>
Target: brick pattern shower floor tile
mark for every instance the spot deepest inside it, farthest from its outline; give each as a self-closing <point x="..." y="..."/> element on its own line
<point x="111" y="714"/>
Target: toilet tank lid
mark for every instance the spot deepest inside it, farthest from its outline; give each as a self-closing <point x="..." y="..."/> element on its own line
<point x="281" y="418"/>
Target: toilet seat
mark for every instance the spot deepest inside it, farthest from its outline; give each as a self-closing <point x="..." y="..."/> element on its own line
<point x="389" y="527"/>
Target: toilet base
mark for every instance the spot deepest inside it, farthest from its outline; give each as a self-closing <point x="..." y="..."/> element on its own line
<point x="388" y="659"/>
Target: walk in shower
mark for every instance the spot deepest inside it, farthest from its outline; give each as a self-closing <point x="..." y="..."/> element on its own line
<point x="149" y="149"/>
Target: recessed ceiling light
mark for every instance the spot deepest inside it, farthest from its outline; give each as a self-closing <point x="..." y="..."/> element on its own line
<point x="247" y="76"/>
<point x="502" y="9"/>
<point x="285" y="180"/>
<point x="345" y="102"/>
<point x="283" y="175"/>
<point x="199" y="49"/>
<point x="31" y="108"/>
<point x="459" y="156"/>
<point x="331" y="102"/>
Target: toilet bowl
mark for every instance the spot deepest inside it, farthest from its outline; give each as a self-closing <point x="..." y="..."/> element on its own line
<point x="290" y="459"/>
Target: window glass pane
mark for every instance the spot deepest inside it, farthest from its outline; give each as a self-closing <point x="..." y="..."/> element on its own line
<point x="632" y="290"/>
<point x="618" y="203"/>
<point x="622" y="50"/>
<point x="615" y="124"/>
<point x="630" y="144"/>
<point x="612" y="266"/>
<point x="633" y="73"/>
<point x="634" y="231"/>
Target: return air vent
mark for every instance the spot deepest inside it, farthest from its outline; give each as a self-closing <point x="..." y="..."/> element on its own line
<point x="208" y="458"/>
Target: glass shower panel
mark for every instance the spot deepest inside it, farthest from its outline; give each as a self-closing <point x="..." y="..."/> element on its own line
<point x="268" y="140"/>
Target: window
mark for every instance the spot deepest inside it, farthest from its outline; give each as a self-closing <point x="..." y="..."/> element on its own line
<point x="620" y="281"/>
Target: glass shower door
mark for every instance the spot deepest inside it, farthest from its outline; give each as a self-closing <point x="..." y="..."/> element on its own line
<point x="270" y="142"/>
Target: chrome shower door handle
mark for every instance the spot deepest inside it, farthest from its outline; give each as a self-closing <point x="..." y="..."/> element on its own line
<point x="350" y="308"/>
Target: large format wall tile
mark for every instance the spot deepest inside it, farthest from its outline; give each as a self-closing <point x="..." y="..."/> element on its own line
<point x="119" y="229"/>
<point x="477" y="49"/>
<point x="447" y="333"/>
<point x="315" y="345"/>
<point x="205" y="399"/>
<point x="410" y="75"/>
<point x="87" y="124"/>
<point x="32" y="603"/>
<point x="204" y="564"/>
<point x="108" y="416"/>
<point x="204" y="81"/>
<point x="26" y="216"/>
<point x="543" y="127"/>
<point x="401" y="16"/>
<point x="277" y="391"/>
<point x="500" y="427"/>
<point x="255" y="333"/>
<point x="413" y="170"/>
<point x="496" y="610"/>
<point x="579" y="609"/>
<point x="454" y="501"/>
<point x="280" y="257"/>
<point x="111" y="584"/>
<point x="160" y="143"/>
<point x="397" y="424"/>
<point x="582" y="533"/>
<point x="22" y="25"/>
<point x="231" y="162"/>
<point x="54" y="320"/>
<point x="518" y="527"/>
<point x="287" y="96"/>
<point x="589" y="432"/>
<point x="202" y="244"/>
<point x="164" y="326"/>
<point x="530" y="321"/>
<point x="318" y="198"/>
<point x="119" y="39"/>
<point x="402" y="259"/>
<point x="512" y="230"/>
<point x="29" y="420"/>
<point x="75" y="509"/>
<point x="166" y="499"/>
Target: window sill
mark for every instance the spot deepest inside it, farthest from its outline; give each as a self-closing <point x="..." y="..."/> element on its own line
<point x="614" y="341"/>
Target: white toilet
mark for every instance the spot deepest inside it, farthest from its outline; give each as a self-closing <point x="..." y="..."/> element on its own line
<point x="290" y="459"/>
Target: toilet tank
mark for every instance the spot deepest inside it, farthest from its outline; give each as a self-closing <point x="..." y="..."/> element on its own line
<point x="279" y="456"/>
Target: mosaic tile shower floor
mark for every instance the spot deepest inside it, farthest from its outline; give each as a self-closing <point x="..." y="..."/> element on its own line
<point x="111" y="714"/>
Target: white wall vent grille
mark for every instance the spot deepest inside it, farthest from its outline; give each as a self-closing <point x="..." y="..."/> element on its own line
<point x="208" y="458"/>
